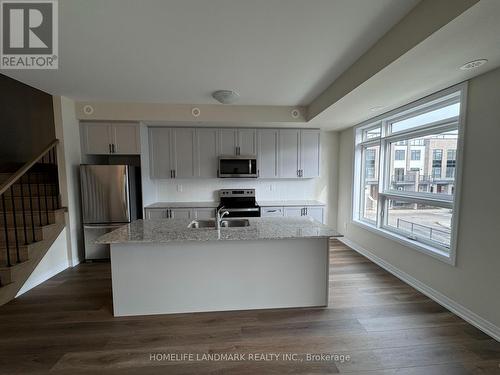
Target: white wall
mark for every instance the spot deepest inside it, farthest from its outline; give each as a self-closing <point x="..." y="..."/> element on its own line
<point x="323" y="188"/>
<point x="472" y="286"/>
<point x="69" y="158"/>
<point x="54" y="261"/>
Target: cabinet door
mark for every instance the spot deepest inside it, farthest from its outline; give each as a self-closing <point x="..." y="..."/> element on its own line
<point x="268" y="153"/>
<point x="316" y="213"/>
<point x="204" y="213"/>
<point x="227" y="142"/>
<point x="97" y="138"/>
<point x="271" y="211"/>
<point x="156" y="213"/>
<point x="126" y="139"/>
<point x="183" y="142"/>
<point x="181" y="213"/>
<point x="289" y="153"/>
<point x="293" y="211"/>
<point x="247" y="142"/>
<point x="207" y="158"/>
<point x="160" y="152"/>
<point x="309" y="153"/>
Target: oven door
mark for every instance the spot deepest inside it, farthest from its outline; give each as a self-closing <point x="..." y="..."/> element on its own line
<point x="238" y="167"/>
<point x="243" y="212"/>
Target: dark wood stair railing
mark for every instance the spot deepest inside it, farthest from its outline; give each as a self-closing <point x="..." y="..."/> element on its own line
<point x="44" y="169"/>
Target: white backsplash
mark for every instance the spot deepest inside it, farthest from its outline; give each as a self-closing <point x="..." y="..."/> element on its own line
<point x="187" y="190"/>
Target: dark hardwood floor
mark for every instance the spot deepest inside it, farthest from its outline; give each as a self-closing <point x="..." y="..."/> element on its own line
<point x="65" y="326"/>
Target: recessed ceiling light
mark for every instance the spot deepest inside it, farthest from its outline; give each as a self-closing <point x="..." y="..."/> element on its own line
<point x="473" y="64"/>
<point x="377" y="108"/>
<point x="225" y="96"/>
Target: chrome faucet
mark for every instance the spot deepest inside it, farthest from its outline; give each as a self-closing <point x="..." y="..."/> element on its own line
<point x="219" y="217"/>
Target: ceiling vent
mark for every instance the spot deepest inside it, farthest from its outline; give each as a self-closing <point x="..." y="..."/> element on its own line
<point x="225" y="96"/>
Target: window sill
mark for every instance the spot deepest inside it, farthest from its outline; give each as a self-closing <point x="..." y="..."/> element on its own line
<point x="429" y="250"/>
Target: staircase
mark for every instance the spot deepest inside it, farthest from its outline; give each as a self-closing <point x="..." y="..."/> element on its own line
<point x="31" y="218"/>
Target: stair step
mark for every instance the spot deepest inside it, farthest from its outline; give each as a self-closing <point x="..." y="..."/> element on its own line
<point x="37" y="203"/>
<point x="23" y="254"/>
<point x="32" y="178"/>
<point x="20" y="235"/>
<point x="49" y="189"/>
<point x="39" y="217"/>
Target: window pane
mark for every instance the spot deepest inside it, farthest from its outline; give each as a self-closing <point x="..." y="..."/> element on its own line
<point x="371" y="133"/>
<point x="420" y="222"/>
<point x="370" y="182"/>
<point x="427" y="171"/>
<point x="444" y="113"/>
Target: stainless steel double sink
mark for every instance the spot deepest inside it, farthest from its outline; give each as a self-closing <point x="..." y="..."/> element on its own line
<point x="227" y="223"/>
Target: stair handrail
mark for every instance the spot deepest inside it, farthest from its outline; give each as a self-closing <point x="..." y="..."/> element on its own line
<point x="26" y="167"/>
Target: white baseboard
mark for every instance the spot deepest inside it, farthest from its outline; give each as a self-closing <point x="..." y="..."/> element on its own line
<point x="469" y="316"/>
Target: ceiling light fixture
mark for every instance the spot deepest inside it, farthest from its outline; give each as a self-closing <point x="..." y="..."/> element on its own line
<point x="225" y="96"/>
<point x="473" y="64"/>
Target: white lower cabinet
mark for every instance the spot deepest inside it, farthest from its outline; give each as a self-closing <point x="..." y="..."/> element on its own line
<point x="294" y="211"/>
<point x="204" y="213"/>
<point x="271" y="211"/>
<point x="317" y="213"/>
<point x="314" y="212"/>
<point x="181" y="213"/>
<point x="156" y="213"/>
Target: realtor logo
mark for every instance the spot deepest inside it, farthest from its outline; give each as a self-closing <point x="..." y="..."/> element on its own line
<point x="29" y="34"/>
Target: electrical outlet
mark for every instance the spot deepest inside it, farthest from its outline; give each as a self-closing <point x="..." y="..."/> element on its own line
<point x="179" y="188"/>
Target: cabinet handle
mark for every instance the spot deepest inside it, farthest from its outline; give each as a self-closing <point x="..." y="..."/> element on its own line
<point x="298" y="173"/>
<point x="110" y="151"/>
<point x="306" y="211"/>
<point x="113" y="147"/>
<point x="174" y="173"/>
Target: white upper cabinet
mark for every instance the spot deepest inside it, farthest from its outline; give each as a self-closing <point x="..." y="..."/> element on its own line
<point x="289" y="153"/>
<point x="106" y="138"/>
<point x="227" y="142"/>
<point x="267" y="153"/>
<point x="206" y="144"/>
<point x="194" y="152"/>
<point x="126" y="139"/>
<point x="183" y="152"/>
<point x="299" y="153"/>
<point x="160" y="153"/>
<point x="237" y="141"/>
<point x="309" y="153"/>
<point x="247" y="142"/>
<point x="96" y="138"/>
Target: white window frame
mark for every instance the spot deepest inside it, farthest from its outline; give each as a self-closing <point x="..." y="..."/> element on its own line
<point x="384" y="121"/>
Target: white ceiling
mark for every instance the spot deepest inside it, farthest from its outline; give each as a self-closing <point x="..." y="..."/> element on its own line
<point x="429" y="67"/>
<point x="273" y="52"/>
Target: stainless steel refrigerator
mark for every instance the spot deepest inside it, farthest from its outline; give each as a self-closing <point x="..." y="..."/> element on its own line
<point x="110" y="199"/>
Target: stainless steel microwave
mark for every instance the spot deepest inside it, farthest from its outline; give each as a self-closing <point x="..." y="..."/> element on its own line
<point x="238" y="167"/>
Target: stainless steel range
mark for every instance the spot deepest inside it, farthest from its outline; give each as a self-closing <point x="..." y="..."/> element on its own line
<point x="239" y="202"/>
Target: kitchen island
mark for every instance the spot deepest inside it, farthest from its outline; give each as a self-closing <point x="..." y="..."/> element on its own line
<point x="169" y="266"/>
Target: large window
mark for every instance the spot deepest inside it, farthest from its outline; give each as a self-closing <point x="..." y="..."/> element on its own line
<point x="412" y="201"/>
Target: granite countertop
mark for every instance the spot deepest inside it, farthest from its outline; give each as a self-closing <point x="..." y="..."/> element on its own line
<point x="183" y="205"/>
<point x="175" y="230"/>
<point x="210" y="204"/>
<point x="290" y="203"/>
